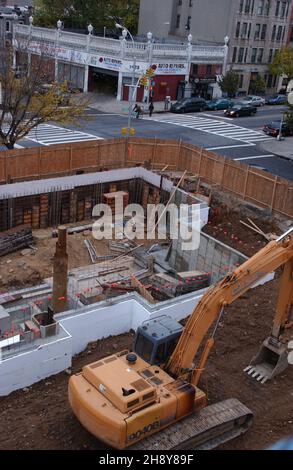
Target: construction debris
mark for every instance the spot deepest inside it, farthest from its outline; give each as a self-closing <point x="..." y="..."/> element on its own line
<point x="142" y="290"/>
<point x="255" y="228"/>
<point x="73" y="230"/>
<point x="15" y="239"/>
<point x="92" y="251"/>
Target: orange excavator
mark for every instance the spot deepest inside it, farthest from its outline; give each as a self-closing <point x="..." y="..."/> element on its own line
<point x="149" y="399"/>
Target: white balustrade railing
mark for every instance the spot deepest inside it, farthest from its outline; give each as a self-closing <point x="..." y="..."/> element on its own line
<point x="141" y="50"/>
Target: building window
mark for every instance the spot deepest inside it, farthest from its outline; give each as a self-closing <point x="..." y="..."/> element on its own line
<point x="234" y="54"/>
<point x="244" y="30"/>
<point x="260" y="8"/>
<point x="257" y="31"/>
<point x="179" y="2"/>
<point x="245" y="55"/>
<point x="283" y="9"/>
<point x="249" y="30"/>
<point x="240" y="54"/>
<point x="247" y="6"/>
<point x="187" y="26"/>
<point x="267" y="7"/>
<point x="253" y="55"/>
<point x="209" y="70"/>
<point x="190" y="3"/>
<point x="241" y="6"/>
<point x="274" y="32"/>
<point x="283" y="35"/>
<point x="260" y="56"/>
<point x="263" y="32"/>
<point x="195" y="69"/>
<point x="7" y="26"/>
<point x="240" y="85"/>
<point x="270" y="56"/>
<point x="178" y="21"/>
<point x="279" y="33"/>
<point x="237" y="30"/>
<point x="277" y="9"/>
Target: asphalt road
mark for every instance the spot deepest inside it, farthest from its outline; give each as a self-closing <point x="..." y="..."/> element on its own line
<point x="237" y="138"/>
<point x="253" y="154"/>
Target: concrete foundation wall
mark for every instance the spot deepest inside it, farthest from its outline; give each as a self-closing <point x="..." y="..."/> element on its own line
<point x="212" y="256"/>
<point x="92" y="323"/>
<point x="28" y="368"/>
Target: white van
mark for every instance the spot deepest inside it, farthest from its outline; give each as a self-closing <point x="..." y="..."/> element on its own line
<point x="290" y="87"/>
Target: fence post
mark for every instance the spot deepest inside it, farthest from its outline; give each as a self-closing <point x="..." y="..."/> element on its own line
<point x="274" y="193"/>
<point x="200" y="160"/>
<point x="126" y="150"/>
<point x="245" y="182"/>
<point x="154" y="152"/>
<point x="70" y="159"/>
<point x="98" y="156"/>
<point x="178" y="154"/>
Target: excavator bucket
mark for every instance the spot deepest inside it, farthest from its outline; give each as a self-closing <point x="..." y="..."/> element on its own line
<point x="270" y="361"/>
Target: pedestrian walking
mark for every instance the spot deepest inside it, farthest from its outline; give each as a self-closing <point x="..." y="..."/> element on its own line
<point x="137" y="110"/>
<point x="151" y="108"/>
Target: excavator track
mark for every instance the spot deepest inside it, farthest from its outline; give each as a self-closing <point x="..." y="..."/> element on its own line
<point x="204" y="430"/>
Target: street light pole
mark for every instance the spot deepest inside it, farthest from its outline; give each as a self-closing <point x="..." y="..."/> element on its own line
<point x="125" y="31"/>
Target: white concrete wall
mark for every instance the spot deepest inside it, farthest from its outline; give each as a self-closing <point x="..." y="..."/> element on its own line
<point x="92" y="323"/>
<point x="30" y="367"/>
<point x="110" y="320"/>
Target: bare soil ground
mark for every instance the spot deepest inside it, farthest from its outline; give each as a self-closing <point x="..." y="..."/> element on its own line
<point x="18" y="271"/>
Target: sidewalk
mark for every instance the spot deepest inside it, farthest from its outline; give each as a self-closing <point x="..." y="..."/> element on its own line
<point x="283" y="148"/>
<point x="109" y="104"/>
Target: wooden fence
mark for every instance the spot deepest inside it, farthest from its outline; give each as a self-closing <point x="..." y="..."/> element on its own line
<point x="245" y="182"/>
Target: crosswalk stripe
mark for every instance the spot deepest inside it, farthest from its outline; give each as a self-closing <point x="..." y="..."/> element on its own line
<point x="47" y="134"/>
<point x="213" y="126"/>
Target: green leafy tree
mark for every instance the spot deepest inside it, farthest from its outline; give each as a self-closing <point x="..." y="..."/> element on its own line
<point x="79" y="13"/>
<point x="289" y="118"/>
<point x="283" y="63"/>
<point x="229" y="83"/>
<point x="257" y="86"/>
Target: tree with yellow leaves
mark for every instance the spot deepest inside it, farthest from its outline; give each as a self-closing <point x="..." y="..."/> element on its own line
<point x="26" y="102"/>
<point x="282" y="63"/>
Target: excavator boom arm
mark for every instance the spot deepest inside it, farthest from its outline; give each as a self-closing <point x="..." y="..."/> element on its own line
<point x="267" y="260"/>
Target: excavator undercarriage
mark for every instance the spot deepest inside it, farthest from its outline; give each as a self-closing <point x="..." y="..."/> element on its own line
<point x="204" y="430"/>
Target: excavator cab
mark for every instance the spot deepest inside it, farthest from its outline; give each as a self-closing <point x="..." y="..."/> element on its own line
<point x="156" y="339"/>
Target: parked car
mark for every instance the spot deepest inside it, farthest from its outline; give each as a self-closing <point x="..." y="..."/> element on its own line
<point x="221" y="103"/>
<point x="254" y="100"/>
<point x="273" y="129"/>
<point x="187" y="105"/>
<point x="277" y="99"/>
<point x="241" y="109"/>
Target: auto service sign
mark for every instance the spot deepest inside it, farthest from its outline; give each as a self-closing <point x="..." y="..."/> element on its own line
<point x="165" y="68"/>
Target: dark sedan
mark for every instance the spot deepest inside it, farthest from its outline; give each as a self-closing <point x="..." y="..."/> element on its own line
<point x="273" y="129"/>
<point x="277" y="99"/>
<point x="188" y="105"/>
<point x="241" y="109"/>
<point x="221" y="103"/>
